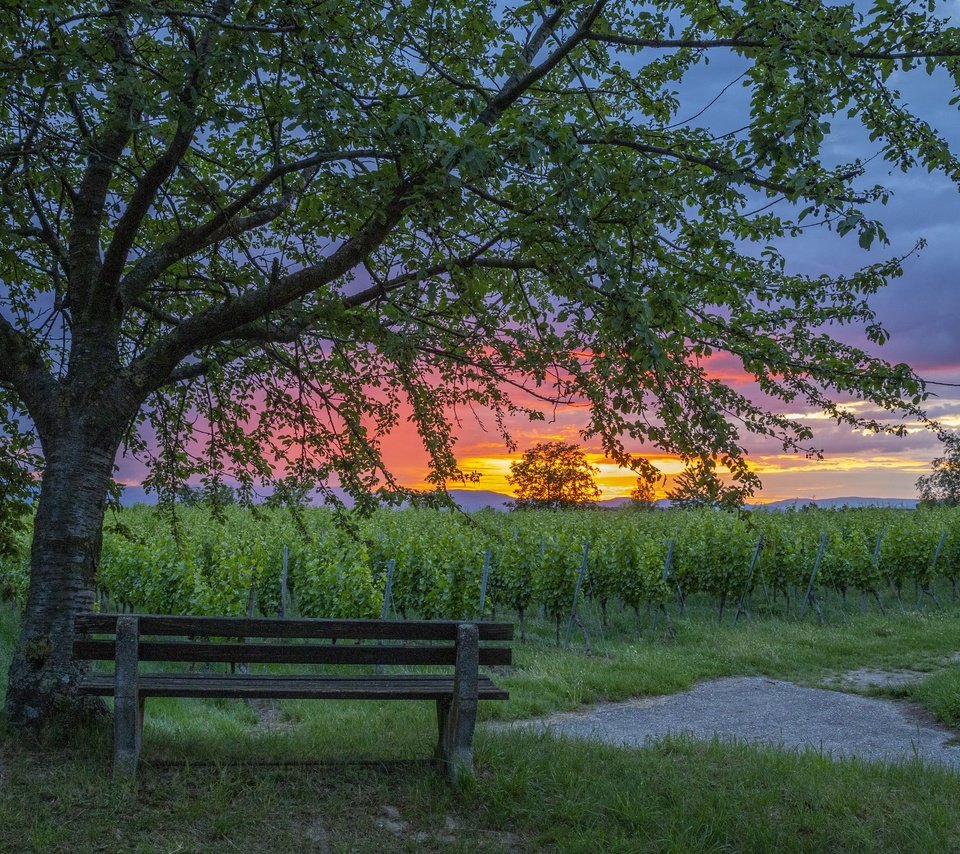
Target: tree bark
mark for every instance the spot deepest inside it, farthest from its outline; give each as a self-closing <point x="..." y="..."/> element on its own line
<point x="65" y="553"/>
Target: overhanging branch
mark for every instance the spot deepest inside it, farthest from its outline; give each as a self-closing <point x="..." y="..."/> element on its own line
<point x="106" y="147"/>
<point x="741" y="43"/>
<point x="714" y="165"/>
<point x="381" y="289"/>
<point x="220" y="320"/>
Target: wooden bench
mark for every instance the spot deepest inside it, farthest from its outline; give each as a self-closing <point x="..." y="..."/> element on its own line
<point x="128" y="639"/>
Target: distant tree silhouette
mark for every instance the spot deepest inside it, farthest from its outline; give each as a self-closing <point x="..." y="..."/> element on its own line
<point x="553" y="475"/>
<point x="942" y="485"/>
<point x="699" y="486"/>
<point x="644" y="494"/>
<point x="210" y="494"/>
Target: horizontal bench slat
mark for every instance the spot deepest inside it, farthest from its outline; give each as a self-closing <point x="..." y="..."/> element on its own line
<point x="412" y="687"/>
<point x="158" y="624"/>
<point x="309" y="653"/>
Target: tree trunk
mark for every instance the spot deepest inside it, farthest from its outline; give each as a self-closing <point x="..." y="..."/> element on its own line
<point x="63" y="563"/>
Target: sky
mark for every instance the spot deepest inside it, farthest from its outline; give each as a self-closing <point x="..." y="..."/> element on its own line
<point x="921" y="311"/>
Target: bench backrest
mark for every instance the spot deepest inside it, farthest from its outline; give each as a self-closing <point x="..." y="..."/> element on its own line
<point x="310" y="641"/>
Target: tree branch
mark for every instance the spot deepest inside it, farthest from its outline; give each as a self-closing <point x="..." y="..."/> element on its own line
<point x="195" y="370"/>
<point x="105" y="150"/>
<point x="22" y="366"/>
<point x="694" y="44"/>
<point x="225" y="222"/>
<point x="218" y="321"/>
<point x="183" y="13"/>
<point x="518" y="83"/>
<point x="714" y="165"/>
<point x="490" y="263"/>
<point x="14" y="155"/>
<point x="164" y="166"/>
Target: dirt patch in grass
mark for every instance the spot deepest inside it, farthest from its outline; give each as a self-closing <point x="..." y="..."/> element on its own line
<point x="866" y="678"/>
<point x="451" y="833"/>
<point x="870" y="679"/>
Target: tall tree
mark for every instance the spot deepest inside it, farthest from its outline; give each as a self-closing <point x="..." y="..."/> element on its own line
<point x="553" y="475"/>
<point x="238" y="235"/>
<point x="942" y="485"/>
<point x="698" y="486"/>
<point x="644" y="494"/>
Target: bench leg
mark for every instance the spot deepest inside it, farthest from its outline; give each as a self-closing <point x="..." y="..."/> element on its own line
<point x="443" y="713"/>
<point x="458" y="739"/>
<point x="457" y="719"/>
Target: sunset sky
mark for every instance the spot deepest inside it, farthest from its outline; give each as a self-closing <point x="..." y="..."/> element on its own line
<point x="921" y="311"/>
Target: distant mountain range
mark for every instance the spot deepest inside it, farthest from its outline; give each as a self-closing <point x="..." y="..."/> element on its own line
<point x="471" y="500"/>
<point x="852" y="501"/>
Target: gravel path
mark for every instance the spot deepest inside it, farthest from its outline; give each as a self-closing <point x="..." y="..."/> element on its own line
<point x="768" y="711"/>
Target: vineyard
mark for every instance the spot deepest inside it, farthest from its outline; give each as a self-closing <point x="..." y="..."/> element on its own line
<point x="441" y="564"/>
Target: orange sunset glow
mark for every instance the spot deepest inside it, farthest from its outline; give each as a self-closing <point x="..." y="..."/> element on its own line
<point x="854" y="463"/>
<point x="783" y="476"/>
<point x="886" y="467"/>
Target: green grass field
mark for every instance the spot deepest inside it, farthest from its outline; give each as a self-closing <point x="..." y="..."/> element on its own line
<point x="354" y="777"/>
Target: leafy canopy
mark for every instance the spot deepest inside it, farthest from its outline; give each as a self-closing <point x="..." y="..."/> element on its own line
<point x="18" y="485"/>
<point x="249" y="237"/>
<point x="553" y="475"/>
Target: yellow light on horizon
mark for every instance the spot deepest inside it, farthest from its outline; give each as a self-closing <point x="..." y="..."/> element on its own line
<point x="614" y="481"/>
<point x="618" y="482"/>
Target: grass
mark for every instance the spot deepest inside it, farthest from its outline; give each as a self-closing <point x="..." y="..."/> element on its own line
<point x="214" y="780"/>
<point x="625" y="664"/>
<point x="532" y="793"/>
<point x="941" y="695"/>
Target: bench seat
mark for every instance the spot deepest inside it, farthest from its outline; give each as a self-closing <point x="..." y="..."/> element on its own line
<point x="279" y="687"/>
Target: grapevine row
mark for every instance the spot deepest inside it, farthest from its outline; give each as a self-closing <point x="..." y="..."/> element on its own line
<point x="208" y="565"/>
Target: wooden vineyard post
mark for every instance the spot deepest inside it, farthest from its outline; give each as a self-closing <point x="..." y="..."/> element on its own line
<point x="810" y="597"/>
<point x="543" y="608"/>
<point x="876" y="566"/>
<point x="576" y="597"/>
<point x="667" y="570"/>
<point x="252" y="595"/>
<point x="283" y="581"/>
<point x="483" y="581"/>
<point x="746" y="587"/>
<point x="387" y="593"/>
<point x="925" y="587"/>
<point x="661" y="608"/>
<point x="388" y="590"/>
<point x="243" y="666"/>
